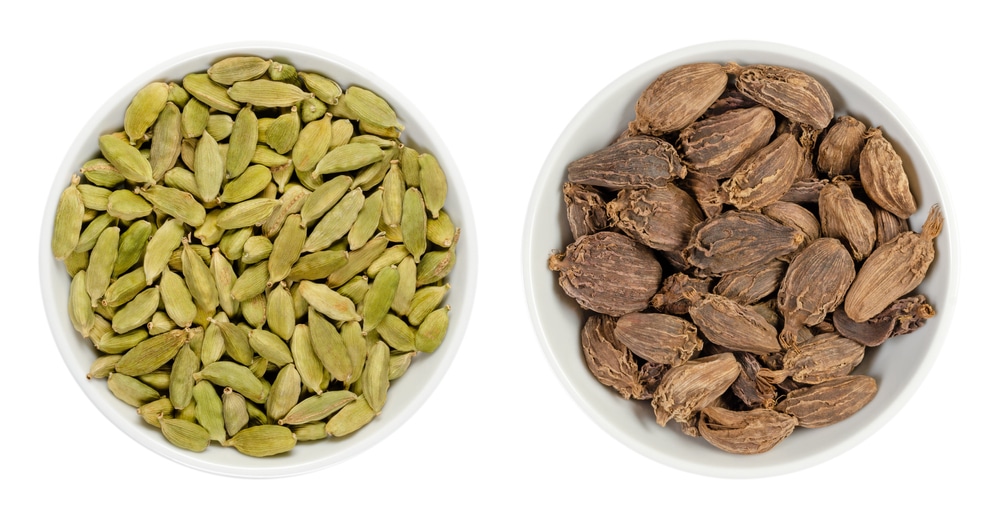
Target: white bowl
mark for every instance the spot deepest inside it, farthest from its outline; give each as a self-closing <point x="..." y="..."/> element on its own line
<point x="899" y="365"/>
<point x="407" y="393"/>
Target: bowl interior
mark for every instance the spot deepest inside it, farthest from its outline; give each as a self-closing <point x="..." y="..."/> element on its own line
<point x="407" y="393"/>
<point x="898" y="366"/>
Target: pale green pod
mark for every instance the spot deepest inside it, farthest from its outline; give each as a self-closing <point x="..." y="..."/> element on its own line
<point x="259" y="365"/>
<point x="194" y="119"/>
<point x="328" y="302"/>
<point x="263" y="440"/>
<point x="78" y="261"/>
<point x="102" y="264"/>
<point x="232" y="242"/>
<point x="308" y="365"/>
<point x="284" y="393"/>
<point x="394" y="187"/>
<point x="317" y="407"/>
<point x="251" y="282"/>
<point x="237" y="344"/>
<point x="151" y="353"/>
<point x="249" y="213"/>
<point x="160" y="323"/>
<point x="209" y="92"/>
<point x="282" y="175"/>
<point x="292" y="201"/>
<point x="263" y="124"/>
<point x="399" y="363"/>
<point x="441" y="230"/>
<point x="126" y="159"/>
<point x="158" y="380"/>
<point x="307" y="180"/>
<point x="182" y="371"/>
<point x="165" y="147"/>
<point x="349" y="157"/>
<point x="184" y="434"/>
<point x="165" y="240"/>
<point x="432" y="330"/>
<point x="367" y="221"/>
<point x="88" y="238"/>
<point x="413" y="224"/>
<point x="352" y="417"/>
<point x="279" y="71"/>
<point x="316" y="266"/>
<point x="213" y="345"/>
<point x="132" y="246"/>
<point x="209" y="167"/>
<point x="242" y="142"/>
<point x="311" y="109"/>
<point x="144" y="108"/>
<point x="253" y="180"/>
<point x="152" y="412"/>
<point x="264" y="155"/>
<point x="115" y="343"/>
<point x="177" y="300"/>
<point x="382" y="131"/>
<point x="81" y="313"/>
<point x="299" y="303"/>
<point x="435" y="266"/>
<point x="124" y="288"/>
<point x="225" y="278"/>
<point x="187" y="414"/>
<point x="396" y="333"/>
<point x="379" y="297"/>
<point x="176" y="256"/>
<point x="284" y="131"/>
<point x="136" y="312"/>
<point x="311" y="431"/>
<point x="180" y="178"/>
<point x="409" y="164"/>
<point x="324" y="88"/>
<point x="358" y="261"/>
<point x="267" y="93"/>
<point x="341" y="132"/>
<point x="314" y="141"/>
<point x="130" y="390"/>
<point x="336" y="223"/>
<point x="234" y="411"/>
<point x="329" y="347"/>
<point x="126" y="205"/>
<point x="364" y="105"/>
<point x="356" y="344"/>
<point x="176" y="203"/>
<point x="355" y="289"/>
<point x="391" y="256"/>
<point x="375" y="378"/>
<point x="102" y="366"/>
<point x="209" y="233"/>
<point x="287" y="249"/>
<point x="406" y="288"/>
<point x="68" y="221"/>
<point x="257" y="248"/>
<point x="94" y="198"/>
<point x="177" y="95"/>
<point x="208" y="409"/>
<point x="280" y="311"/>
<point x="324" y="198"/>
<point x="237" y="376"/>
<point x="199" y="279"/>
<point x="425" y="301"/>
<point x="101" y="173"/>
<point x="220" y="126"/>
<point x="238" y="68"/>
<point x="270" y="346"/>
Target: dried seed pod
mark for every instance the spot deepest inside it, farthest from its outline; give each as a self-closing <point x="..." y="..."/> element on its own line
<point x="805" y="191"/>
<point x="737" y="239"/>
<point x="733" y="326"/>
<point x="887" y="225"/>
<point x="748" y="387"/>
<point x="717" y="145"/>
<point x="674" y="296"/>
<point x="901" y="317"/>
<point x="731" y="99"/>
<point x="824" y="357"/>
<point x="744" y="432"/>
<point x="846" y="218"/>
<point x="792" y="93"/>
<point x="659" y="338"/>
<point x="688" y="388"/>
<point x="661" y="217"/>
<point x="678" y="97"/>
<point x="794" y="216"/>
<point x="706" y="190"/>
<point x="766" y="175"/>
<point x="829" y="402"/>
<point x="607" y="358"/>
<point x="585" y="209"/>
<point x="650" y="375"/>
<point x="608" y="273"/>
<point x="893" y="270"/>
<point x="749" y="285"/>
<point x="640" y="161"/>
<point x="815" y="284"/>
<point x="883" y="177"/>
<point x="841" y="147"/>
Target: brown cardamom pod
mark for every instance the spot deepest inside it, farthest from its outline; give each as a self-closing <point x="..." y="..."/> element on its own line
<point x="901" y="317"/>
<point x="824" y="357"/>
<point x="846" y="218"/>
<point x="815" y="284"/>
<point x="716" y="145"/>
<point x="893" y="270"/>
<point x="794" y="216"/>
<point x="608" y="359"/>
<point x="639" y="161"/>
<point x="688" y="388"/>
<point x="671" y="298"/>
<point x="731" y="99"/>
<point x="883" y="176"/>
<point x="585" y="209"/>
<point x="766" y="175"/>
<point x="738" y="239"/>
<point x="887" y="225"/>
<point x="650" y="375"/>
<point x="706" y="191"/>
<point x="659" y="217"/>
<point x="749" y="285"/>
<point x="733" y="326"/>
<point x="678" y="97"/>
<point x="608" y="273"/>
<point x="792" y="93"/>
<point x="829" y="402"/>
<point x="748" y="387"/>
<point x="659" y="338"/>
<point x="744" y="432"/>
<point x="840" y="149"/>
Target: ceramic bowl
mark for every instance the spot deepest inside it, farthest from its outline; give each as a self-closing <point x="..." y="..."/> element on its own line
<point x="558" y="319"/>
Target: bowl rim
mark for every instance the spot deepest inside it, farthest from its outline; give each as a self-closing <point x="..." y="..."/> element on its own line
<point x="534" y="279"/>
<point x="458" y="198"/>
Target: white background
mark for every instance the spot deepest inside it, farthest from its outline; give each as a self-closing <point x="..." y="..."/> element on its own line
<point x="500" y="436"/>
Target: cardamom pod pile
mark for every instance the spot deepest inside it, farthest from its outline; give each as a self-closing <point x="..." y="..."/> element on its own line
<point x="737" y="249"/>
<point x="256" y="256"/>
